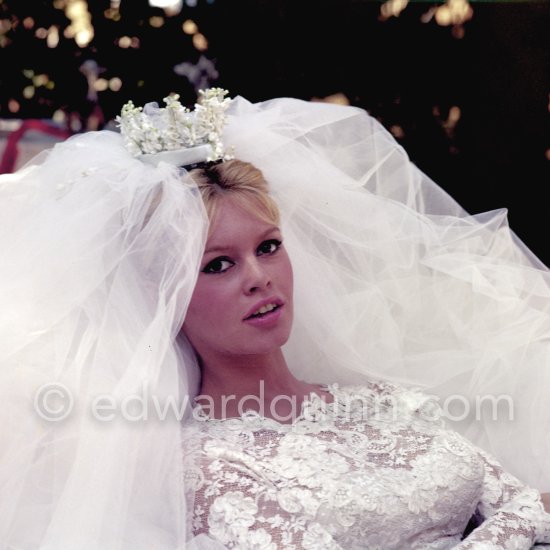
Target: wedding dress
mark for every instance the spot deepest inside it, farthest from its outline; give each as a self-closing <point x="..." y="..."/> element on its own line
<point x="375" y="469"/>
<point x="393" y="281"/>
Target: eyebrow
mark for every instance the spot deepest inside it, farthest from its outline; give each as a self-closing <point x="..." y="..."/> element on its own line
<point x="225" y="248"/>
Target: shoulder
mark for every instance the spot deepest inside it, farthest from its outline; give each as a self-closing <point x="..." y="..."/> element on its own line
<point x="377" y="394"/>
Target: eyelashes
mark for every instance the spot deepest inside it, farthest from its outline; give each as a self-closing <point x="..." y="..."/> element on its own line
<point x="269" y="247"/>
<point x="222" y="263"/>
<point x="218" y="265"/>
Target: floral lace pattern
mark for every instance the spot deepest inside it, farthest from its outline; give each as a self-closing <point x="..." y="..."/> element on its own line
<point x="374" y="469"/>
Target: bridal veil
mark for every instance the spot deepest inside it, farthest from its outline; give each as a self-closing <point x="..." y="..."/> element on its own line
<point x="393" y="279"/>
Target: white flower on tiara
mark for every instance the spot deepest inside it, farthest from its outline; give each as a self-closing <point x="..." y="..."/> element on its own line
<point x="152" y="129"/>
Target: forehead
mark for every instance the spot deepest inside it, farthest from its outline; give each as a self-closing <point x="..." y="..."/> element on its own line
<point x="233" y="222"/>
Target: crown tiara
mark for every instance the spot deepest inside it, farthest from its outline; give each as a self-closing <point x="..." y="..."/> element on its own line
<point x="174" y="133"/>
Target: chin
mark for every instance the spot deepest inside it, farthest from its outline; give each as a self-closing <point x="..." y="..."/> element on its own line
<point x="268" y="344"/>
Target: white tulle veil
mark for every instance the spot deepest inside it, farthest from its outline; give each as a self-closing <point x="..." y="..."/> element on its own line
<point x="393" y="279"/>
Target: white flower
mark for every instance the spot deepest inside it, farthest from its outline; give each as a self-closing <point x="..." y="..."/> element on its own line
<point x="306" y="460"/>
<point x="295" y="500"/>
<point x="230" y="515"/>
<point x="439" y="467"/>
<point x="300" y="445"/>
<point x="258" y="539"/>
<point x="421" y="500"/>
<point x="152" y="129"/>
<point x="316" y="538"/>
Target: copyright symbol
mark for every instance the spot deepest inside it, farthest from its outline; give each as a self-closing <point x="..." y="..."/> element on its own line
<point x="53" y="402"/>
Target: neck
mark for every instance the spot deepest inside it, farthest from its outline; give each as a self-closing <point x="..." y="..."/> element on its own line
<point x="264" y="383"/>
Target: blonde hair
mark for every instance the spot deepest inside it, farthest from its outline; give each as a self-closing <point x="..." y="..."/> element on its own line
<point x="242" y="182"/>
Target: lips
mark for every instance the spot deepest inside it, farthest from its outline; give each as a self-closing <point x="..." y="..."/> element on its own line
<point x="265" y="306"/>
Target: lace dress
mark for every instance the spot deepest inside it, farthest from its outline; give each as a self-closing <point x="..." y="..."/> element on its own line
<point x="374" y="469"/>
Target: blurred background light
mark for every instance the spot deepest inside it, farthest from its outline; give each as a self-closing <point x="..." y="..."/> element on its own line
<point x="80" y="28"/>
<point x="156" y="21"/>
<point x="171" y="7"/>
<point x="115" y="84"/>
<point x="189" y="27"/>
<point x="200" y="42"/>
<point x="52" y="39"/>
<point x="13" y="106"/>
<point x="392" y="8"/>
<point x="101" y="84"/>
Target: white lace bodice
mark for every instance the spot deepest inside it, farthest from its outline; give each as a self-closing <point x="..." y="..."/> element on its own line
<point x="375" y="469"/>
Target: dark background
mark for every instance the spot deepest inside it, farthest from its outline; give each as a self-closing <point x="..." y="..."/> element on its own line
<point x="495" y="67"/>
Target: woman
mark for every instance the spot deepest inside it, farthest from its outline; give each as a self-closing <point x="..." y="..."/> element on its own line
<point x="241" y="309"/>
<point x="279" y="462"/>
<point x="392" y="280"/>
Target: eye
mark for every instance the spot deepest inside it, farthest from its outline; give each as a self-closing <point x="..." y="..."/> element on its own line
<point x="269" y="247"/>
<point x="218" y="265"/>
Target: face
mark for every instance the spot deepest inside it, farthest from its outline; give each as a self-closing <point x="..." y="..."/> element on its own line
<point x="242" y="302"/>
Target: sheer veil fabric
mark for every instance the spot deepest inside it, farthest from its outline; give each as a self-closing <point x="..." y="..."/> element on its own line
<point x="101" y="254"/>
<point x="393" y="279"/>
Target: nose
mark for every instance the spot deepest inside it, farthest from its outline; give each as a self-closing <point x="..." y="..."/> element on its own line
<point x="256" y="276"/>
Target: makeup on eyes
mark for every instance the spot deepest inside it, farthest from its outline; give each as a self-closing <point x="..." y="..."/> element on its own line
<point x="212" y="266"/>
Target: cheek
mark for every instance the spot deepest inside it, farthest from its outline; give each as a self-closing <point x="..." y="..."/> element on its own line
<point x="204" y="302"/>
<point x="286" y="275"/>
<point x="207" y="309"/>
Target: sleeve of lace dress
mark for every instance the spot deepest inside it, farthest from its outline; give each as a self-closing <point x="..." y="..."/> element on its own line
<point x="512" y="513"/>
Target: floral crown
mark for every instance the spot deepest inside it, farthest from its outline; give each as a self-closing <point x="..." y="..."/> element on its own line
<point x="174" y="133"/>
